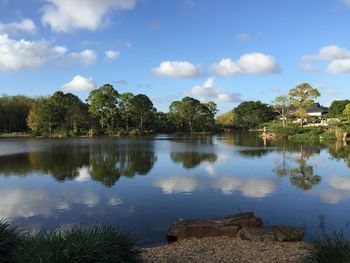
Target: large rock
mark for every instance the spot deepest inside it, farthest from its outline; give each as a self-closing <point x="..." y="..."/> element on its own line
<point x="279" y="233"/>
<point x="228" y="226"/>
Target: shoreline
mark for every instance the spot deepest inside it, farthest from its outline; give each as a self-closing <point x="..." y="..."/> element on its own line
<point x="225" y="249"/>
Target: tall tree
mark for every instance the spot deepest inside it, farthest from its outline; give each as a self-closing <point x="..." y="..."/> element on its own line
<point x="250" y="114"/>
<point x="125" y="108"/>
<point x="337" y="108"/>
<point x="225" y="119"/>
<point x="302" y="97"/>
<point x="142" y="110"/>
<point x="347" y="111"/>
<point x="281" y="105"/>
<point x="103" y="104"/>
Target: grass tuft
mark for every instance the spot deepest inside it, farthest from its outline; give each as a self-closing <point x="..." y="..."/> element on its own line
<point x="9" y="242"/>
<point x="330" y="248"/>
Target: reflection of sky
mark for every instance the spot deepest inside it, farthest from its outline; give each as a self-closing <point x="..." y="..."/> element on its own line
<point x="232" y="183"/>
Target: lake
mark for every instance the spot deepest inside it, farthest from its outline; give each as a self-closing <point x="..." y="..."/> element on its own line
<point x="144" y="184"/>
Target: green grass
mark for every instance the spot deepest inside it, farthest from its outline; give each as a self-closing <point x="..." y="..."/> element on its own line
<point x="329" y="249"/>
<point x="9" y="243"/>
<point x="78" y="245"/>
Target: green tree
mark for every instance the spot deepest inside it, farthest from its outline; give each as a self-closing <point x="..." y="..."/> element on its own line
<point x="302" y="97"/>
<point x="225" y="119"/>
<point x="347" y="111"/>
<point x="250" y="114"/>
<point x="281" y="105"/>
<point x="125" y="108"/>
<point x="142" y="110"/>
<point x="13" y="113"/>
<point x="337" y="108"/>
<point x="103" y="104"/>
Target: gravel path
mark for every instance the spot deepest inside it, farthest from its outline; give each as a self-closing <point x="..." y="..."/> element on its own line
<point x="224" y="249"/>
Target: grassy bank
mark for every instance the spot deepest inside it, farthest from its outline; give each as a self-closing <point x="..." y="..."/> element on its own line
<point x="80" y="244"/>
<point x="308" y="134"/>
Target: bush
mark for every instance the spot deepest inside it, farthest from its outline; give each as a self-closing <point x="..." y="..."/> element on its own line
<point x="9" y="242"/>
<point x="80" y="245"/>
<point x="330" y="248"/>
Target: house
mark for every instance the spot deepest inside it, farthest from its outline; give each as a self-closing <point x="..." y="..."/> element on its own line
<point x="315" y="110"/>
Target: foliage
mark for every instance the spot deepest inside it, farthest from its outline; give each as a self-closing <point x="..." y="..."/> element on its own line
<point x="191" y="115"/>
<point x="330" y="248"/>
<point x="80" y="245"/>
<point x="250" y="114"/>
<point x="103" y="105"/>
<point x="347" y="111"/>
<point x="142" y="111"/>
<point x="13" y="113"/>
<point x="59" y="113"/>
<point x="302" y="97"/>
<point x="337" y="108"/>
<point x="9" y="243"/>
<point x="225" y="119"/>
<point x="281" y="105"/>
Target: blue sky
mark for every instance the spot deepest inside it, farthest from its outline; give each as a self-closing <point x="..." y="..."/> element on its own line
<point x="226" y="51"/>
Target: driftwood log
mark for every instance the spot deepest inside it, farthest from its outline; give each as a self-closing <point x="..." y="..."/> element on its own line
<point x="244" y="226"/>
<point x="228" y="226"/>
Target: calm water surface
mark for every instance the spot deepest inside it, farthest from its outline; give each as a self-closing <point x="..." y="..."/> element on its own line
<point x="144" y="184"/>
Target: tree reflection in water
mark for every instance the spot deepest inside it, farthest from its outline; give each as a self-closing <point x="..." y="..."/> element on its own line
<point x="192" y="159"/>
<point x="104" y="162"/>
<point x="302" y="175"/>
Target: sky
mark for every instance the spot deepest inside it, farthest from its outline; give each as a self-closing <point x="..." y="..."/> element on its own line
<point x="224" y="51"/>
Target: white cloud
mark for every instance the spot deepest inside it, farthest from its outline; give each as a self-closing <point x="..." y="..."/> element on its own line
<point x="253" y="63"/>
<point x="244" y="37"/>
<point x="207" y="91"/>
<point x="338" y="60"/>
<point x="80" y="83"/>
<point x="67" y="15"/>
<point x="114" y="201"/>
<point x="254" y="187"/>
<point x="112" y="54"/>
<point x="176" y="69"/>
<point x="87" y="57"/>
<point x="21" y="54"/>
<point x="26" y="203"/>
<point x="25" y="25"/>
<point x="178" y="184"/>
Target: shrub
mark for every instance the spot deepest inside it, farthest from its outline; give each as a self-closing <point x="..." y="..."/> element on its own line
<point x="79" y="245"/>
<point x="9" y="242"/>
<point x="330" y="248"/>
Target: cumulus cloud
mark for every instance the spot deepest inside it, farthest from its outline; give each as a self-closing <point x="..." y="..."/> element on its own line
<point x="339" y="190"/>
<point x="254" y="187"/>
<point x="67" y="15"/>
<point x="86" y="57"/>
<point x="208" y="91"/>
<point x="253" y="63"/>
<point x="25" y="25"/>
<point x="21" y="54"/>
<point x="178" y="184"/>
<point x="18" y="202"/>
<point x="78" y="84"/>
<point x="176" y="69"/>
<point x="338" y="60"/>
<point x="112" y="54"/>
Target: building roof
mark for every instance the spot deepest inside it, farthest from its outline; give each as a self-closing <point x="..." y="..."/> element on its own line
<point x="314" y="108"/>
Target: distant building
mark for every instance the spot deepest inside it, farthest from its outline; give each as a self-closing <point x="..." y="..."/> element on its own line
<point x="316" y="110"/>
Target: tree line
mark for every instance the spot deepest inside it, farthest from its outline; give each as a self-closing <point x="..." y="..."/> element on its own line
<point x="105" y="112"/>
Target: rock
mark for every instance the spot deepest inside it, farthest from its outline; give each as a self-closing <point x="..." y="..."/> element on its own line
<point x="228" y="226"/>
<point x="284" y="233"/>
<point x="256" y="234"/>
<point x="279" y="233"/>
